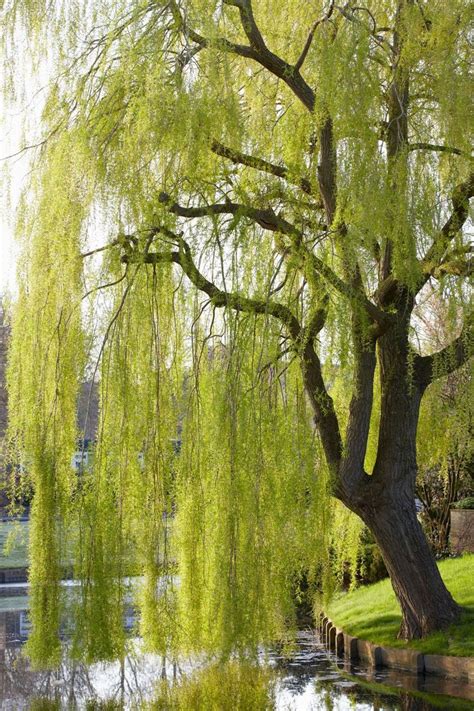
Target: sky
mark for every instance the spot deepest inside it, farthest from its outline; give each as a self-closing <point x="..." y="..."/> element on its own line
<point x="12" y="174"/>
<point x="13" y="117"/>
<point x="7" y="242"/>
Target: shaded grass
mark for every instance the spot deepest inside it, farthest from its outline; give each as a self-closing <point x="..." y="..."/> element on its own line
<point x="438" y="701"/>
<point x="372" y="613"/>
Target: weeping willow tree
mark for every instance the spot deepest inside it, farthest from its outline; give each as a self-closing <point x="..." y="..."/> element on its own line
<point x="233" y="214"/>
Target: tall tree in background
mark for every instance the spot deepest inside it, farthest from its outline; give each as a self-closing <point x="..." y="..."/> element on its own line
<point x="306" y="167"/>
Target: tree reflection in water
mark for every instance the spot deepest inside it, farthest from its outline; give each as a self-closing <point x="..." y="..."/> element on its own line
<point x="306" y="680"/>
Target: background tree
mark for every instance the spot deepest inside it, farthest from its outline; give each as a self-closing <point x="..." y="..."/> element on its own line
<point x="306" y="168"/>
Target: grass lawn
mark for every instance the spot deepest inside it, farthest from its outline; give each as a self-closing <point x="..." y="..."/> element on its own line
<point x="15" y="534"/>
<point x="372" y="613"/>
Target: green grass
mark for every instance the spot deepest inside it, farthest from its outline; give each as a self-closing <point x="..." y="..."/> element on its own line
<point x="372" y="613"/>
<point x="13" y="544"/>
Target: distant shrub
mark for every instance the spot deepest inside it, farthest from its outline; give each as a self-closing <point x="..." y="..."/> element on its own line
<point x="467" y="503"/>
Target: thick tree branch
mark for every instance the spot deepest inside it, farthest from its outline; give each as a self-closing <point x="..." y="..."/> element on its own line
<point x="378" y="316"/>
<point x="249" y="25"/>
<point x="434" y="147"/>
<point x="257" y="50"/>
<point x="260" y="164"/>
<point x="452" y="226"/>
<point x="265" y="218"/>
<point x="397" y="126"/>
<point x="269" y="220"/>
<point x="323" y="406"/>
<point x="316" y="322"/>
<point x="360" y="412"/>
<point x="327" y="169"/>
<point x="325" y="417"/>
<point x="218" y="297"/>
<point x="449" y="359"/>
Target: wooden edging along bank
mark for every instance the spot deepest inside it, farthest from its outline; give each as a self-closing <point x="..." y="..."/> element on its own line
<point x="354" y="649"/>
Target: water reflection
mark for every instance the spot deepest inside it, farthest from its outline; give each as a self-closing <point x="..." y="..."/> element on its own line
<point x="310" y="679"/>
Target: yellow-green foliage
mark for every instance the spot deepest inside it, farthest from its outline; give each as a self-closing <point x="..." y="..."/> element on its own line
<point x="446" y="422"/>
<point x="247" y="496"/>
<point x="133" y="115"/>
<point x="233" y="686"/>
<point x="46" y="363"/>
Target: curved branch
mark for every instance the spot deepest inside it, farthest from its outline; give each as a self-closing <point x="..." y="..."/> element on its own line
<point x="382" y="318"/>
<point x="218" y="297"/>
<point x="257" y="50"/>
<point x="249" y="25"/>
<point x="323" y="406"/>
<point x="435" y="262"/>
<point x="460" y="212"/>
<point x="454" y="266"/>
<point x="269" y="220"/>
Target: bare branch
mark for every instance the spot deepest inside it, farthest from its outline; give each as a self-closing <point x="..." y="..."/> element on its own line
<point x="350" y="14"/>
<point x="100" y="249"/>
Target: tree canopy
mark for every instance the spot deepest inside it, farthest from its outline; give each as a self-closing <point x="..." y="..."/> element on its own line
<point x="233" y="214"/>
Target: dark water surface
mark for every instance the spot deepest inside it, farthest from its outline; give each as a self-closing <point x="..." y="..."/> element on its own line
<point x="310" y="680"/>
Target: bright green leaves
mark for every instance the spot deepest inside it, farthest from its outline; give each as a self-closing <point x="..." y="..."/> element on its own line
<point x="245" y="491"/>
<point x="46" y="363"/>
<point x="125" y="501"/>
<point x="242" y="512"/>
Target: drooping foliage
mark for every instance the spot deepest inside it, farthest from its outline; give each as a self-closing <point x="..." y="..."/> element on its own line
<point x="183" y="243"/>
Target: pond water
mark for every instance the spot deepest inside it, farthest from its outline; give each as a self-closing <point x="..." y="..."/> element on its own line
<point x="310" y="679"/>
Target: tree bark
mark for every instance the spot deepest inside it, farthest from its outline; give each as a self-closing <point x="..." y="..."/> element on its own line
<point x="425" y="602"/>
<point x="386" y="500"/>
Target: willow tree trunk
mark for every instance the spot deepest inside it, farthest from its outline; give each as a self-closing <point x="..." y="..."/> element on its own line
<point x="388" y="506"/>
<point x="425" y="602"/>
